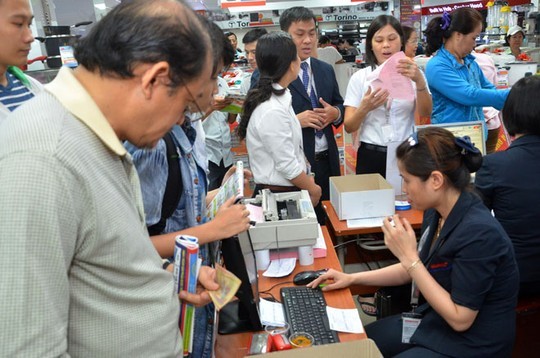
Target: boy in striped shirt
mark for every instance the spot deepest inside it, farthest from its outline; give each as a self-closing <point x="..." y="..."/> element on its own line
<point x="15" y="41"/>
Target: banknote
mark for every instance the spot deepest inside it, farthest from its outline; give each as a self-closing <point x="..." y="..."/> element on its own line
<point x="228" y="285"/>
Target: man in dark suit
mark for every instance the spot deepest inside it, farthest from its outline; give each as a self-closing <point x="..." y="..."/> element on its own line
<point x="315" y="99"/>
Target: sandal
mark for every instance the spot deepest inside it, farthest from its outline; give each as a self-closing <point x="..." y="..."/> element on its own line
<point x="367" y="304"/>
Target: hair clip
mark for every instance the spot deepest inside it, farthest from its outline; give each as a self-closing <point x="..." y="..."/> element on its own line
<point x="446" y="21"/>
<point x="413" y="139"/>
<point x="466" y="145"/>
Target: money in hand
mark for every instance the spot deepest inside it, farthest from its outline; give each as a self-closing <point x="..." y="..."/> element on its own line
<point x="228" y="286"/>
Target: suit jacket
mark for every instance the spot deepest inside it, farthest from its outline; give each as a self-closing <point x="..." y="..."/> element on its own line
<point x="508" y="182"/>
<point x="326" y="87"/>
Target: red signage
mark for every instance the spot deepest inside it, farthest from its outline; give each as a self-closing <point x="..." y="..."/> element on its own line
<point x="232" y="3"/>
<point x="439" y="9"/>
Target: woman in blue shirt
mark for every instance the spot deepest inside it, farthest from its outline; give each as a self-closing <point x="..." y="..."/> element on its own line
<point x="458" y="86"/>
<point x="463" y="270"/>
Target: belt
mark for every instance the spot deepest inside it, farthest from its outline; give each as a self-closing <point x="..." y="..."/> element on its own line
<point x="377" y="148"/>
<point x="321" y="155"/>
<point x="276" y="188"/>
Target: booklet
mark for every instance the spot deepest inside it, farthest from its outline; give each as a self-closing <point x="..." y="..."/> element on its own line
<point x="234" y="186"/>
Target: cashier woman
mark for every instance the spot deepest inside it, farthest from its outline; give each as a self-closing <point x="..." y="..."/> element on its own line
<point x="514" y="39"/>
<point x="463" y="268"/>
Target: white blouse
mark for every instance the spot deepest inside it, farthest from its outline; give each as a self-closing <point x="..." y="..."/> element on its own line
<point x="274" y="142"/>
<point x="400" y="116"/>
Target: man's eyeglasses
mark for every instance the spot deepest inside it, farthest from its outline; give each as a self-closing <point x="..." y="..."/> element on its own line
<point x="193" y="101"/>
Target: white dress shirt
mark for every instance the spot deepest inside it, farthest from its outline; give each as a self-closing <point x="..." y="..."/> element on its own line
<point x="274" y="142"/>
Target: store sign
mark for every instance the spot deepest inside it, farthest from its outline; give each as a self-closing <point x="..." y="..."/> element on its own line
<point x="240" y="24"/>
<point x="349" y="16"/>
<point x="438" y="10"/>
<point x="231" y="3"/>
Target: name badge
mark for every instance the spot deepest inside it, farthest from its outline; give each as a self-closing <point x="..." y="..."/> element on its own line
<point x="411" y="321"/>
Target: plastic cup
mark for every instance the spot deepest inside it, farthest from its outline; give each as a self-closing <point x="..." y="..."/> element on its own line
<point x="273" y="330"/>
<point x="301" y="340"/>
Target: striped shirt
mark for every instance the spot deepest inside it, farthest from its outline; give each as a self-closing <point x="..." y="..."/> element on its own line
<point x="15" y="93"/>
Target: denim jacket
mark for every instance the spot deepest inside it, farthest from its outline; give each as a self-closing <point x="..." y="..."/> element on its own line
<point x="153" y="172"/>
<point x="459" y="91"/>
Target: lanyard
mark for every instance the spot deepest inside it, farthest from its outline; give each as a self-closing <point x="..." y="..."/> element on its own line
<point x="415" y="293"/>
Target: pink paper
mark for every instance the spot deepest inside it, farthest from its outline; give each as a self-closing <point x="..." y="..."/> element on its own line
<point x="387" y="77"/>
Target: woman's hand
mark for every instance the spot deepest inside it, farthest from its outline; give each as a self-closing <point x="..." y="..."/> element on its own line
<point x="373" y="99"/>
<point x="400" y="239"/>
<point x="315" y="192"/>
<point x="408" y="68"/>
<point x="341" y="280"/>
<point x="207" y="282"/>
<point x="247" y="175"/>
<point x="231" y="219"/>
<point x="220" y="102"/>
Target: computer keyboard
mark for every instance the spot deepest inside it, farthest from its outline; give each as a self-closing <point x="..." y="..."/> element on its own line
<point x="305" y="311"/>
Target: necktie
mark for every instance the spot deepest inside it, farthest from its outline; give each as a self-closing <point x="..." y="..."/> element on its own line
<point x="314" y="103"/>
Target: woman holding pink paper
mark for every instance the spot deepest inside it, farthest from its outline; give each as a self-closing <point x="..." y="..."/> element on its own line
<point x="370" y="110"/>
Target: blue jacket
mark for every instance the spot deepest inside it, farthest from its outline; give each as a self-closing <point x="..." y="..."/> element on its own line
<point x="459" y="91"/>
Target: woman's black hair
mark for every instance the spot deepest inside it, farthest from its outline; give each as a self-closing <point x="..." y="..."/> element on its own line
<point x="521" y="111"/>
<point x="463" y="20"/>
<point x="221" y="46"/>
<point x="140" y="31"/>
<point x="275" y="53"/>
<point x="434" y="148"/>
<point x="378" y="23"/>
<point x="407" y="32"/>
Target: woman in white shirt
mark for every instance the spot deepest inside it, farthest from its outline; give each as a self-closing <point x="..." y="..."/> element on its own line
<point x="378" y="118"/>
<point x="269" y="125"/>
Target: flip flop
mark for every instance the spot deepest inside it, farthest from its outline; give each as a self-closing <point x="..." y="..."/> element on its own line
<point x="367" y="304"/>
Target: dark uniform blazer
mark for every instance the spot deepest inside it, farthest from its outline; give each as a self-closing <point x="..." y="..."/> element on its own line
<point x="326" y="87"/>
<point x="509" y="182"/>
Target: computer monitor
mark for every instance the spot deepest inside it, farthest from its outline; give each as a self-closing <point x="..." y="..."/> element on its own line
<point x="475" y="130"/>
<point x="241" y="315"/>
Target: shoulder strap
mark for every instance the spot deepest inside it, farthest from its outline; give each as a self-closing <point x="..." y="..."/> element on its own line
<point x="19" y="74"/>
<point x="173" y="188"/>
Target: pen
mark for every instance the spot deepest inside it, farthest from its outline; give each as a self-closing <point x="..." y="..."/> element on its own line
<point x="323" y="285"/>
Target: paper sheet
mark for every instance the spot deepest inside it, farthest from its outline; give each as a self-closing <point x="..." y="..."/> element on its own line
<point x="271" y="313"/>
<point x="280" y="268"/>
<point x="255" y="213"/>
<point x="387" y="77"/>
<point x="344" y="320"/>
<point x="366" y="222"/>
<point x="392" y="171"/>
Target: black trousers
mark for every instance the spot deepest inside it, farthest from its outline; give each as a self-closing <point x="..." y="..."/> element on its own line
<point x="369" y="161"/>
<point x="322" y="171"/>
<point x="216" y="173"/>
<point x="386" y="333"/>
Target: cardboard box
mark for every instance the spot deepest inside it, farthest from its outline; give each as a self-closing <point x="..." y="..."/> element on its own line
<point x="364" y="348"/>
<point x="361" y="196"/>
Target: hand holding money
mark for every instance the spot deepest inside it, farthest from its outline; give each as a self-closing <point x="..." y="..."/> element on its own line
<point x="228" y="286"/>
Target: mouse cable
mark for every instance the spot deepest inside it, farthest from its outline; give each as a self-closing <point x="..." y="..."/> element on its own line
<point x="277" y="284"/>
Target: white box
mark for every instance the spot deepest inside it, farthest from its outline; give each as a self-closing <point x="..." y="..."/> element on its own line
<point x="361" y="196"/>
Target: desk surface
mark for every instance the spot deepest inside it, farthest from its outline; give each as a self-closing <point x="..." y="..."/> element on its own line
<point x="236" y="345"/>
<point x="339" y="227"/>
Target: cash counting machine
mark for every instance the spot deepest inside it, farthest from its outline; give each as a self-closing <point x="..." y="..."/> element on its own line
<point x="289" y="220"/>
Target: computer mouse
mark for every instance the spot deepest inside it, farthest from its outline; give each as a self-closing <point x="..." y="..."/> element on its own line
<point x="305" y="277"/>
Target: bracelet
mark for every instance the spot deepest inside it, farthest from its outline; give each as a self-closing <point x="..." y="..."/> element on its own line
<point x="420" y="89"/>
<point x="413" y="266"/>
